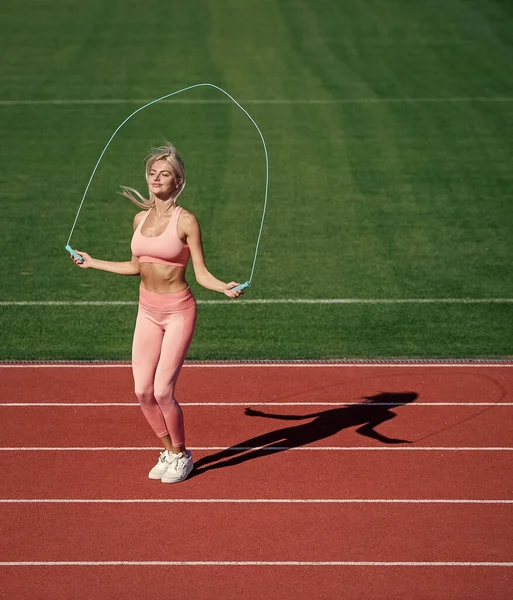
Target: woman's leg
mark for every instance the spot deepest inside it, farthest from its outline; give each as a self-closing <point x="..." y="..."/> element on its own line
<point x="148" y="336"/>
<point x="179" y="330"/>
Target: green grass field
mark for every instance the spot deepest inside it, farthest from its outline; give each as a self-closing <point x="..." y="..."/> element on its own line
<point x="389" y="125"/>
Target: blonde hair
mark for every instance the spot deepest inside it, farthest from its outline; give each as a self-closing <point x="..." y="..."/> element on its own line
<point x="168" y="153"/>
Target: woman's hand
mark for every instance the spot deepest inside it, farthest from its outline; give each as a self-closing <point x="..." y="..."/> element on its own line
<point x="87" y="263"/>
<point x="228" y="291"/>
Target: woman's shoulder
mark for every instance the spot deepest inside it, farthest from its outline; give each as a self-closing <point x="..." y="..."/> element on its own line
<point x="139" y="217"/>
<point x="187" y="217"/>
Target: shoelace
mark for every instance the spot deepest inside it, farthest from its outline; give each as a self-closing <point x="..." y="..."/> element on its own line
<point x="181" y="463"/>
<point x="166" y="459"/>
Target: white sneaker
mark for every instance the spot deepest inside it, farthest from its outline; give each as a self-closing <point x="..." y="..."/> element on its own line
<point x="179" y="469"/>
<point x="165" y="460"/>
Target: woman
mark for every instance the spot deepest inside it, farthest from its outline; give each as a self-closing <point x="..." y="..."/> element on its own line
<point x="165" y="237"/>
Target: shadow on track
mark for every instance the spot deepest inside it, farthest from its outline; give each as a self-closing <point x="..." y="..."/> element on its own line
<point x="367" y="415"/>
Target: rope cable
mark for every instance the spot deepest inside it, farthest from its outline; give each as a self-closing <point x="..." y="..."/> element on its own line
<point x="248" y="283"/>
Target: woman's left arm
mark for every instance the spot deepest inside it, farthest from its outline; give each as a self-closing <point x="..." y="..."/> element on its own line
<point x="192" y="231"/>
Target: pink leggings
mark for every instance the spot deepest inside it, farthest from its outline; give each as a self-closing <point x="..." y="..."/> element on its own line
<point x="163" y="332"/>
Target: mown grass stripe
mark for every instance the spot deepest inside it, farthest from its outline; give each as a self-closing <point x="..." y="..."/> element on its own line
<point x="304" y="101"/>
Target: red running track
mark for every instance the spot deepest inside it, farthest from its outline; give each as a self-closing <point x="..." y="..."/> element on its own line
<point x="334" y="474"/>
<point x="461" y="549"/>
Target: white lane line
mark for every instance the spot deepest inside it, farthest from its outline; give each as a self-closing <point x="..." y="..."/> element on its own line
<point x="247" y="563"/>
<point x="265" y="301"/>
<point x="265" y="448"/>
<point x="247" y="404"/>
<point x="278" y="101"/>
<point x="284" y="364"/>
<point x="247" y="501"/>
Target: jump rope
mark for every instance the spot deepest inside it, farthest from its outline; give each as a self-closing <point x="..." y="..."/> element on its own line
<point x="242" y="286"/>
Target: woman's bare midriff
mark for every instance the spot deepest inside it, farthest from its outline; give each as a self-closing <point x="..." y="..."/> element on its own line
<point x="162" y="279"/>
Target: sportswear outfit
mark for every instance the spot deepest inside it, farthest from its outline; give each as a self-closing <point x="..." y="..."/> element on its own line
<point x="163" y="332"/>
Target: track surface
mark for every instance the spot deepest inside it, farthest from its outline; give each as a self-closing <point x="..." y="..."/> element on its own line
<point x="389" y="481"/>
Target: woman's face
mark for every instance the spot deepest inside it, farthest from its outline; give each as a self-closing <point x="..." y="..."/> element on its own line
<point x="162" y="180"/>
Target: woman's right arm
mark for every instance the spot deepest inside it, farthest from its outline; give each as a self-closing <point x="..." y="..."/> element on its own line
<point x="130" y="267"/>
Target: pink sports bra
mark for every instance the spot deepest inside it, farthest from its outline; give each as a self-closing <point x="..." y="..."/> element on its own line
<point x="166" y="248"/>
